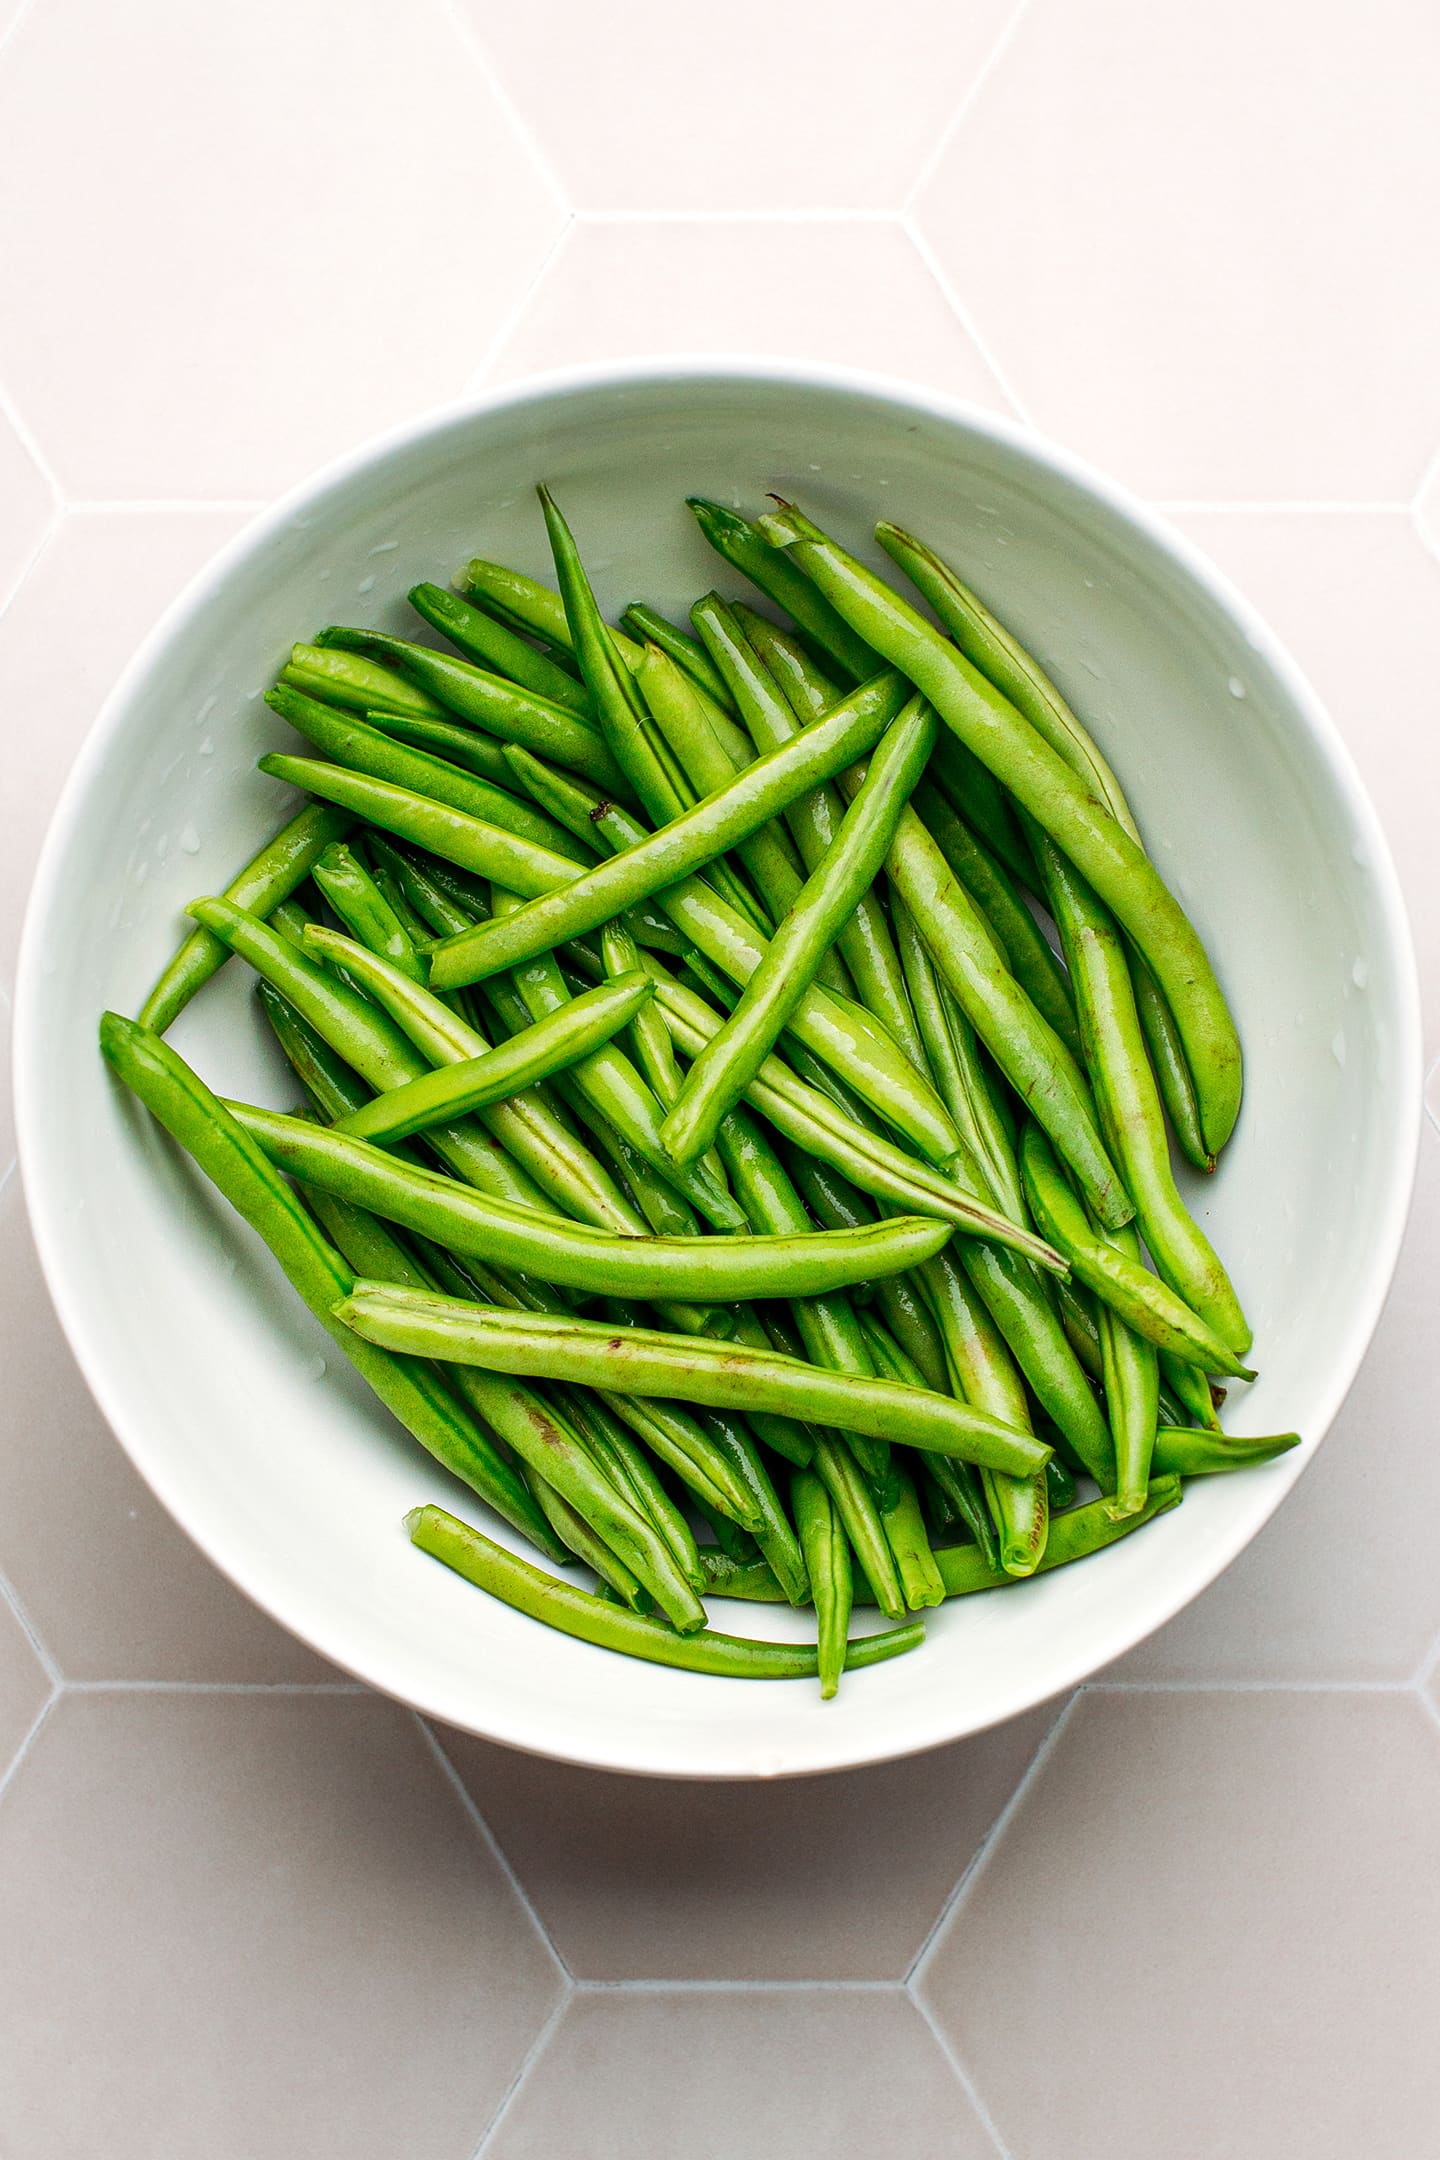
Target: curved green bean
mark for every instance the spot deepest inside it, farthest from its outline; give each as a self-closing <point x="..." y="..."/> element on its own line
<point x="1064" y="804"/>
<point x="648" y="627"/>
<point x="348" y="678"/>
<point x="269" y="877"/>
<point x="1141" y="1299"/>
<point x="359" y="903"/>
<point x="577" y="1612"/>
<point x="182" y="1103"/>
<point x="725" y="1376"/>
<point x="682" y="847"/>
<point x="452" y="739"/>
<point x="747" y="550"/>
<point x="1183" y="1451"/>
<point x="732" y="1058"/>
<point x="493" y="646"/>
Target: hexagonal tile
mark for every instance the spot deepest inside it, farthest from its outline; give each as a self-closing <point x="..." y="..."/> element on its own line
<point x="778" y="289"/>
<point x="1320" y="1594"/>
<point x="280" y="227"/>
<point x="118" y="570"/>
<point x="1356" y="597"/>
<point x="249" y="1926"/>
<point x="773" y="109"/>
<point x="1232" y="1901"/>
<point x="114" y="1589"/>
<point x="1192" y="239"/>
<point x="637" y="1878"/>
<point x="754" y="2075"/>
<point x="25" y="507"/>
<point x="24" y="1686"/>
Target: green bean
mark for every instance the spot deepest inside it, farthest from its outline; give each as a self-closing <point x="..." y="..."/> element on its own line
<point x="364" y="910"/>
<point x="1077" y="1317"/>
<point x="755" y="1578"/>
<point x="332" y="1085"/>
<point x="678" y="1438"/>
<point x="1192" y="1393"/>
<point x="546" y="1047"/>
<point x="452" y="739"/>
<point x="782" y="1435"/>
<point x="839" y="1472"/>
<point x="848" y="1038"/>
<point x="573" y="1531"/>
<point x="361" y="748"/>
<point x="1145" y="1303"/>
<point x="1056" y="796"/>
<point x="613" y="1085"/>
<point x="487" y="701"/>
<point x="1016" y="932"/>
<point x="648" y="627"/>
<point x="644" y="1361"/>
<point x="349" y="679"/>
<point x="827" y="1557"/>
<point x="986" y="1376"/>
<point x="810" y="1119"/>
<point x="181" y="1102"/>
<point x="630" y="1469"/>
<point x="749" y="552"/>
<point x="483" y="848"/>
<point x="1023" y="1044"/>
<point x="910" y="1547"/>
<point x="1183" y="1451"/>
<point x="990" y="646"/>
<point x="784" y="691"/>
<point x="956" y="1482"/>
<point x="1035" y="1337"/>
<point x="954" y="1065"/>
<point x="577" y="1612"/>
<point x="1129" y="1103"/>
<point x="268" y="878"/>
<point x="731" y="1059"/>
<point x="691" y="841"/>
<point x="828" y="1329"/>
<point x="972" y="790"/>
<point x="1059" y="1485"/>
<point x="1131" y="1374"/>
<point x="774" y="1535"/>
<point x="493" y="646"/>
<point x="908" y="1318"/>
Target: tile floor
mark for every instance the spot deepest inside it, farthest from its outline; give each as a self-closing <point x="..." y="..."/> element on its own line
<point x="247" y="1910"/>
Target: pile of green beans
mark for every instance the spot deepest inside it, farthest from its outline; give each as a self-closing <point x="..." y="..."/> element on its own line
<point x="735" y="1066"/>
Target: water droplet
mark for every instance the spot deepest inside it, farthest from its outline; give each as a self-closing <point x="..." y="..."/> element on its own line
<point x="251" y="695"/>
<point x="316" y="1369"/>
<point x="366" y="584"/>
<point x="1360" y="974"/>
<point x="1337" y="1046"/>
<point x="189" y="839"/>
<point x="814" y="468"/>
<point x="388" y="547"/>
<point x="207" y="748"/>
<point x="1236" y="687"/>
<point x="1089" y="584"/>
<point x="205" y="711"/>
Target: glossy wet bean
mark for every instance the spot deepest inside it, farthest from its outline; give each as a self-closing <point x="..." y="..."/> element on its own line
<point x="492" y="645"/>
<point x="827" y="1558"/>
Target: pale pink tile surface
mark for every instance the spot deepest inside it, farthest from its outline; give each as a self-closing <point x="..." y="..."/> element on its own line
<point x="761" y="108"/>
<point x="1232" y="1898"/>
<point x="751" y="2076"/>
<point x="280" y="1933"/>
<point x="637" y="1879"/>
<point x="242" y="1915"/>
<point x="1193" y="237"/>
<point x="856" y="294"/>
<point x="239" y="239"/>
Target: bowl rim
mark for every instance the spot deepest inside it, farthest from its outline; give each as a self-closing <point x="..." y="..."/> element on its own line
<point x="533" y="1733"/>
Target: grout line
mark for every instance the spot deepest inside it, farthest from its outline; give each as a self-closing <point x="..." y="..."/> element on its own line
<point x="953" y="125"/>
<point x="1428" y="479"/>
<point x="802" y="214"/>
<point x="29" y="1740"/>
<point x="20" y="427"/>
<point x="514" y="315"/>
<point x="1430" y="1708"/>
<point x="522" y="2076"/>
<point x="915" y="1976"/>
<point x="962" y="2076"/>
<point x="215" y="1687"/>
<point x="10" y="1596"/>
<point x="22" y="577"/>
<point x="965" y="319"/>
<point x="739" y="1987"/>
<point x="488" y="1838"/>
<point x="1291" y="506"/>
<point x="529" y="141"/>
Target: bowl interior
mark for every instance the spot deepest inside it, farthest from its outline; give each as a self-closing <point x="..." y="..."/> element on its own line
<point x="233" y="1403"/>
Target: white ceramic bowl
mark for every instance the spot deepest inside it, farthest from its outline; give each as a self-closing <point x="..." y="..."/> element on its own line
<point x="206" y="1365"/>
